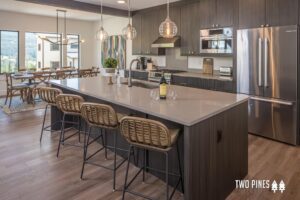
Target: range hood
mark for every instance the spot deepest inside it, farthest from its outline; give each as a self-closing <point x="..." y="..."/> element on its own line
<point x="166" y="42"/>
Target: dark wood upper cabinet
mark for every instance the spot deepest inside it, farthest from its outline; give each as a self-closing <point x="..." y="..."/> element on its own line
<point x="207" y="10"/>
<point x="216" y="13"/>
<point x="149" y="33"/>
<point x="225" y="12"/>
<point x="281" y="12"/>
<point x="251" y="13"/>
<point x="190" y="26"/>
<point x="137" y="42"/>
<point x="264" y="13"/>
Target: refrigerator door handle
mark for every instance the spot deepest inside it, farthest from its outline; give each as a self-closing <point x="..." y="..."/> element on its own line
<point x="287" y="103"/>
<point x="259" y="62"/>
<point x="266" y="60"/>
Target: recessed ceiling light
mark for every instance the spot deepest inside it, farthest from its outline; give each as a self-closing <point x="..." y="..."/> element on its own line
<point x="121" y="1"/>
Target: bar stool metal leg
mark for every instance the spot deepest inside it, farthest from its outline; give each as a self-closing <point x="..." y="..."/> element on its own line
<point x="85" y="151"/>
<point x="115" y="161"/>
<point x="167" y="175"/>
<point x="127" y="169"/>
<point x="42" y="131"/>
<point x="61" y="137"/>
<point x="180" y="167"/>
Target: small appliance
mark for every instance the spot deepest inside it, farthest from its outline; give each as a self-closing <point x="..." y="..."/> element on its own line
<point x="225" y="71"/>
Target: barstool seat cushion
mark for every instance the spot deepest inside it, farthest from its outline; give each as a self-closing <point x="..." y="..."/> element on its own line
<point x="174" y="135"/>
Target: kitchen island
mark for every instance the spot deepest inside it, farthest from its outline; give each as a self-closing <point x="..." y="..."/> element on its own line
<point x="213" y="143"/>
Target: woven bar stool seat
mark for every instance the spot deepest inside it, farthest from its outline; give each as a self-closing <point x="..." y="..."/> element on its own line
<point x="150" y="135"/>
<point x="48" y="95"/>
<point x="103" y="117"/>
<point x="69" y="105"/>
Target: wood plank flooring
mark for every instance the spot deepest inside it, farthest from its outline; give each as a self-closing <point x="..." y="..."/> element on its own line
<point x="30" y="170"/>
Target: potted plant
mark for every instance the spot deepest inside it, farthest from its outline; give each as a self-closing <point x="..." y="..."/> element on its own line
<point x="110" y="65"/>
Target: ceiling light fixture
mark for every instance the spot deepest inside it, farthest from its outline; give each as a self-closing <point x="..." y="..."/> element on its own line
<point x="62" y="38"/>
<point x="121" y="1"/>
<point x="101" y="33"/>
<point x="129" y="32"/>
<point x="168" y="28"/>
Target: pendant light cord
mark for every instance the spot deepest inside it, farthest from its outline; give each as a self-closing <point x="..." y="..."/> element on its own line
<point x="168" y="9"/>
<point x="101" y="14"/>
<point x="129" y="9"/>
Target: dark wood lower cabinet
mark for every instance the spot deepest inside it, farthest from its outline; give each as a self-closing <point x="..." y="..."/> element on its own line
<point x="216" y="154"/>
<point x="224" y="86"/>
<point x="204" y="83"/>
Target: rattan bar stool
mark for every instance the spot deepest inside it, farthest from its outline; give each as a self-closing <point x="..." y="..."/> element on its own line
<point x="48" y="95"/>
<point x="69" y="105"/>
<point x="103" y="117"/>
<point x="150" y="135"/>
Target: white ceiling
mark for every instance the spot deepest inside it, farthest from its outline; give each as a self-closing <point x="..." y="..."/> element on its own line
<point x="135" y="4"/>
<point x="36" y="9"/>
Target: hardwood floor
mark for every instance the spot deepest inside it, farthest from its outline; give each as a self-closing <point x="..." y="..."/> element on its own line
<point x="30" y="170"/>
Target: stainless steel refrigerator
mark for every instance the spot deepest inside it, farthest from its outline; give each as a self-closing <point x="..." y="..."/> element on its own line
<point x="267" y="71"/>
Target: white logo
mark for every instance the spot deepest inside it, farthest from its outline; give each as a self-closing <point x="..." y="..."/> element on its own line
<point x="281" y="186"/>
<point x="261" y="184"/>
<point x="274" y="186"/>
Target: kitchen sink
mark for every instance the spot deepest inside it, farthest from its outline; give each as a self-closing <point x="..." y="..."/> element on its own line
<point x="142" y="84"/>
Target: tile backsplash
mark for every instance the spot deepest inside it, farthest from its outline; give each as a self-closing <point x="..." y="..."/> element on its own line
<point x="173" y="60"/>
<point x="197" y="62"/>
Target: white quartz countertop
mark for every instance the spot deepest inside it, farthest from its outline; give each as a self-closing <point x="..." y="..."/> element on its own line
<point x="190" y="107"/>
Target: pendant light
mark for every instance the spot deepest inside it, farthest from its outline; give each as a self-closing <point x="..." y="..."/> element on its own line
<point x="129" y="32"/>
<point x="101" y="33"/>
<point x="61" y="37"/>
<point x="168" y="29"/>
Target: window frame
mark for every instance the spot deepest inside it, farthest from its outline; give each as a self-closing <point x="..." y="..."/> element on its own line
<point x="18" y="58"/>
<point x="79" y="48"/>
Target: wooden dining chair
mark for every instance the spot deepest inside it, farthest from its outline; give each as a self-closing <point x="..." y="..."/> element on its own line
<point x="12" y="89"/>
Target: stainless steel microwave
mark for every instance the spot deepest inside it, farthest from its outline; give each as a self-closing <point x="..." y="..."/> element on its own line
<point x="216" y="41"/>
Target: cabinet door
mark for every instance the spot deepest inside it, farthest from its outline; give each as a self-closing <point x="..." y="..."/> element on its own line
<point x="281" y="12"/>
<point x="137" y="42"/>
<point x="207" y="10"/>
<point x="251" y="13"/>
<point x="146" y="33"/>
<point x="225" y="13"/>
<point x="190" y="29"/>
<point x="224" y="86"/>
<point x="175" y="17"/>
<point x="179" y="80"/>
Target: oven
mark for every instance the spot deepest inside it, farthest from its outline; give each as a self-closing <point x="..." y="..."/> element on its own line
<point x="216" y="41"/>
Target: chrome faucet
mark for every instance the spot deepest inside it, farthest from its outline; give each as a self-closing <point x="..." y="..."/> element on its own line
<point x="130" y="68"/>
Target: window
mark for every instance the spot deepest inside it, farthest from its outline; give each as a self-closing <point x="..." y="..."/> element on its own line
<point x="54" y="47"/>
<point x="40" y="53"/>
<point x="73" y="51"/>
<point x="9" y="51"/>
<point x="54" y="64"/>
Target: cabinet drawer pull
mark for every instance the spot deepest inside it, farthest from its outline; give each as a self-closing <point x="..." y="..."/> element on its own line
<point x="219" y="136"/>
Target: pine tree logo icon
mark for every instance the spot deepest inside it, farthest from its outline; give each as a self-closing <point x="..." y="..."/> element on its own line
<point x="281" y="186"/>
<point x="274" y="186"/>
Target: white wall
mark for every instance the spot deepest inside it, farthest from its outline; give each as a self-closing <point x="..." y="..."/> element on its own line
<point x="113" y="26"/>
<point x="33" y="23"/>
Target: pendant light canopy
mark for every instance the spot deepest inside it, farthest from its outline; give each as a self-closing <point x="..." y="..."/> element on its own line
<point x="168" y="28"/>
<point x="101" y="33"/>
<point x="129" y="32"/>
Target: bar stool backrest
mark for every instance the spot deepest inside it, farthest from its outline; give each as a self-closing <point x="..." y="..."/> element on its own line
<point x="99" y="115"/>
<point x="8" y="79"/>
<point x="49" y="94"/>
<point x="69" y="104"/>
<point x="145" y="132"/>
